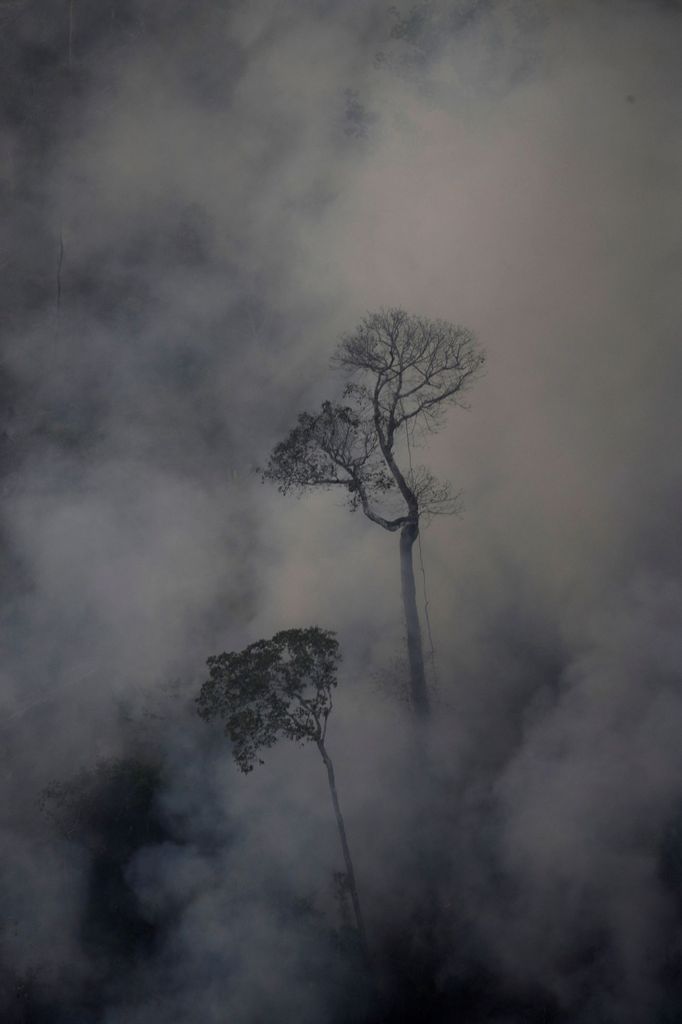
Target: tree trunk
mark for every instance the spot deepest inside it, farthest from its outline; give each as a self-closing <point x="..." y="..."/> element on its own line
<point x="352" y="886"/>
<point x="420" y="696"/>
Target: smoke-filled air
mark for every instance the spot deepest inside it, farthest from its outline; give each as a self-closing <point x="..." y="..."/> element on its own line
<point x="341" y="592"/>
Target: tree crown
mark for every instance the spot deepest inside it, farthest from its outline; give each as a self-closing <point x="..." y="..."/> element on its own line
<point x="407" y="369"/>
<point x="403" y="371"/>
<point x="274" y="688"/>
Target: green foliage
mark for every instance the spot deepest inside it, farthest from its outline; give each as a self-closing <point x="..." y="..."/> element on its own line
<point x="274" y="688"/>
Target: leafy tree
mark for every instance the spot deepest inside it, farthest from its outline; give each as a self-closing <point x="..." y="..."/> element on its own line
<point x="276" y="688"/>
<point x="403" y="372"/>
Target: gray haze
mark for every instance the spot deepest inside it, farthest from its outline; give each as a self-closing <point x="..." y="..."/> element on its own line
<point x="234" y="187"/>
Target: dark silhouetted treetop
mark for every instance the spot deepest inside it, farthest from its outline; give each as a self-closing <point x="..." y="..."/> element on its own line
<point x="336" y="447"/>
<point x="404" y="370"/>
<point x="415" y="367"/>
<point x="281" y="688"/>
<point x="274" y="688"/>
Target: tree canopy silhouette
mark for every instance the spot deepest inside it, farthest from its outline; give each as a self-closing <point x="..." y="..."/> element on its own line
<point x="402" y="373"/>
<point x="276" y="688"/>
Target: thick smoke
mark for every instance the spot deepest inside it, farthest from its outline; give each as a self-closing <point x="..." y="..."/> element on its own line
<point x="198" y="201"/>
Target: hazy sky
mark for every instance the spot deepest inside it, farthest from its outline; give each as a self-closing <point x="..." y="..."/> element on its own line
<point x="235" y="184"/>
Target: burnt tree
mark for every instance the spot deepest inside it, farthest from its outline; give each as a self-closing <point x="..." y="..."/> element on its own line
<point x="402" y="373"/>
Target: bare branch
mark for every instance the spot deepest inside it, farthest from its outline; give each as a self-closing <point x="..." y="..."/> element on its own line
<point x="403" y="372"/>
<point x="418" y="363"/>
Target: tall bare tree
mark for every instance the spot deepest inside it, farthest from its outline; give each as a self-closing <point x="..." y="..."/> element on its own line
<point x="402" y="373"/>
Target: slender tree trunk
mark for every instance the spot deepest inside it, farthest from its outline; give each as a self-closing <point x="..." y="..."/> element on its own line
<point x="352" y="886"/>
<point x="420" y="696"/>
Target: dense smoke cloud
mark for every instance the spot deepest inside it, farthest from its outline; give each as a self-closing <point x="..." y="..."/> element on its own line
<point x="199" y="201"/>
